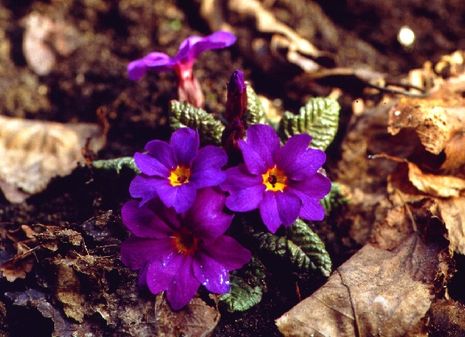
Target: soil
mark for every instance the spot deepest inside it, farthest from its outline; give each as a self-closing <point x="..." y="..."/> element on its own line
<point x="112" y="33"/>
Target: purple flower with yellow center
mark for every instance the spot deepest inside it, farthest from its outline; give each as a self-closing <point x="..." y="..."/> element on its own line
<point x="174" y="171"/>
<point x="282" y="182"/>
<point x="182" y="63"/>
<point x="177" y="252"/>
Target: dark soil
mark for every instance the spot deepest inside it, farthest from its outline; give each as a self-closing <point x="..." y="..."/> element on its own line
<point x="94" y="76"/>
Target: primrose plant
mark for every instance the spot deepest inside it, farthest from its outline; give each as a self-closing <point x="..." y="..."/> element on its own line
<point x="182" y="63"/>
<point x="218" y="182"/>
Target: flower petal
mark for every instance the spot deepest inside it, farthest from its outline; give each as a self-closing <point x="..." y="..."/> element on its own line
<point x="314" y="186"/>
<point x="143" y="187"/>
<point x="161" y="272"/>
<point x="185" y="143"/>
<point x="206" y="216"/>
<point x="213" y="275"/>
<point x="259" y="147"/>
<point x="288" y="207"/>
<point x="143" y="222"/>
<point x="180" y="197"/>
<point x="156" y="61"/>
<point x="183" y="286"/>
<point x="150" y="166"/>
<point x="162" y="152"/>
<point x="193" y="46"/>
<point x="246" y="190"/>
<point x="228" y="252"/>
<point x="137" y="252"/>
<point x="269" y="212"/>
<point x="311" y="209"/>
<point x="206" y="166"/>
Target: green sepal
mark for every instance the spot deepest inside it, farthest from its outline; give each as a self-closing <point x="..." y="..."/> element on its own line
<point x="116" y="164"/>
<point x="183" y="114"/>
<point x="255" y="113"/>
<point x="301" y="246"/>
<point x="319" y="118"/>
<point x="247" y="287"/>
<point x="334" y="199"/>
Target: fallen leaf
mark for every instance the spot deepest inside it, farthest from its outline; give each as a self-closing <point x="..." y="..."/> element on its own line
<point x="45" y="37"/>
<point x="197" y="319"/>
<point x="375" y="293"/>
<point x="33" y="152"/>
<point x="452" y="212"/>
<point x="68" y="291"/>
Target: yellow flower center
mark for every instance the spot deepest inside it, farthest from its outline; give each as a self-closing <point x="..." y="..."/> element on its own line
<point x="179" y="175"/>
<point x="184" y="241"/>
<point x="274" y="180"/>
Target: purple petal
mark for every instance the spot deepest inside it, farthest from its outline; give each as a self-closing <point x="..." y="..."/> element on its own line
<point x="314" y="186"/>
<point x="311" y="209"/>
<point x="206" y="216"/>
<point x="150" y="166"/>
<point x="162" y="152"/>
<point x="298" y="162"/>
<point x="180" y="197"/>
<point x="269" y="212"/>
<point x="183" y="286"/>
<point x="144" y="187"/>
<point x="193" y="46"/>
<point x="288" y="207"/>
<point x="206" y="167"/>
<point x="213" y="275"/>
<point x="259" y="147"/>
<point x="155" y="61"/>
<point x="143" y="222"/>
<point x="185" y="143"/>
<point x="137" y="252"/>
<point x="161" y="272"/>
<point x="246" y="191"/>
<point x="228" y="252"/>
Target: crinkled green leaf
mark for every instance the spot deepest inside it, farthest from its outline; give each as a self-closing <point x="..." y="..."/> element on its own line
<point x="117" y="164"/>
<point x="334" y="198"/>
<point x="302" y="247"/>
<point x="255" y="113"/>
<point x="319" y="118"/>
<point x="183" y="114"/>
<point x="247" y="287"/>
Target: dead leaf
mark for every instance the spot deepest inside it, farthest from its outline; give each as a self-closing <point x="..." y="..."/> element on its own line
<point x="68" y="291"/>
<point x="197" y="319"/>
<point x="375" y="293"/>
<point x="452" y="212"/>
<point x="45" y="37"/>
<point x="33" y="152"/>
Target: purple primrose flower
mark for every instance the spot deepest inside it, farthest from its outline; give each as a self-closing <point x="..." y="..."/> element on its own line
<point x="174" y="171"/>
<point x="182" y="63"/>
<point x="176" y="252"/>
<point x="282" y="182"/>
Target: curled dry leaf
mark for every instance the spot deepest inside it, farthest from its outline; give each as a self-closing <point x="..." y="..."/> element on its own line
<point x="45" y="37"/>
<point x="197" y="319"/>
<point x="33" y="152"/>
<point x="375" y="293"/>
<point x="452" y="212"/>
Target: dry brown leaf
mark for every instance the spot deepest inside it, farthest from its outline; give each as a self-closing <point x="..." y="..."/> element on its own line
<point x="197" y="319"/>
<point x="43" y="37"/>
<point x="68" y="291"/>
<point x="375" y="293"/>
<point x="452" y="212"/>
<point x="433" y="184"/>
<point x="33" y="152"/>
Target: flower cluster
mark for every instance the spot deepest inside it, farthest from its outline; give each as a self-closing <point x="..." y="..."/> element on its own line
<point x="177" y="217"/>
<point x="182" y="63"/>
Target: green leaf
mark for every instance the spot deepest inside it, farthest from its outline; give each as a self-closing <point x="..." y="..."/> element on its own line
<point x="319" y="118"/>
<point x="117" y="164"/>
<point x="255" y="113"/>
<point x="247" y="287"/>
<point x="334" y="199"/>
<point x="183" y="114"/>
<point x="302" y="247"/>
